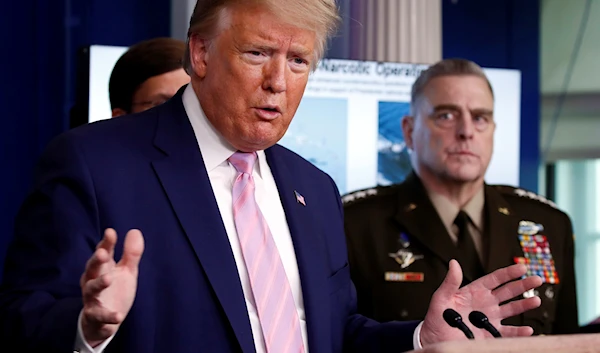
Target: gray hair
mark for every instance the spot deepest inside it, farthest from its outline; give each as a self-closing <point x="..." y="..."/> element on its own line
<point x="446" y="67"/>
<point x="321" y="16"/>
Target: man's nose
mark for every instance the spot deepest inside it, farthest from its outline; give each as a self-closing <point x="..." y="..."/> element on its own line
<point x="465" y="127"/>
<point x="275" y="75"/>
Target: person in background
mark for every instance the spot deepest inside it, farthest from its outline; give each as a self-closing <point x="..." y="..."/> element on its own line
<point x="400" y="238"/>
<point x="148" y="74"/>
<point x="228" y="242"/>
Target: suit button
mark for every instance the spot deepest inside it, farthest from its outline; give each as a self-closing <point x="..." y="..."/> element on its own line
<point x="545" y="314"/>
<point x="404" y="314"/>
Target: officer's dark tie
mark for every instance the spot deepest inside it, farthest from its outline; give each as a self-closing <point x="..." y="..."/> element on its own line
<point x="468" y="258"/>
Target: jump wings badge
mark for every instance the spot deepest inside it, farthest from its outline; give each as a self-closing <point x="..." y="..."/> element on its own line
<point x="404" y="257"/>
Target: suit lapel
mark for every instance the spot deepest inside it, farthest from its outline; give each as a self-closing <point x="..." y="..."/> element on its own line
<point x="185" y="181"/>
<point x="502" y="230"/>
<point x="308" y="246"/>
<point x="418" y="216"/>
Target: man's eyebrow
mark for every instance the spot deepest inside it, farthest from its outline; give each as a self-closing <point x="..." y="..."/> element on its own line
<point x="457" y="108"/>
<point x="300" y="50"/>
<point x="483" y="111"/>
<point x="446" y="107"/>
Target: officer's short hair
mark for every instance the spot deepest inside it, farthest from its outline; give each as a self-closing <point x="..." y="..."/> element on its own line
<point x="446" y="67"/>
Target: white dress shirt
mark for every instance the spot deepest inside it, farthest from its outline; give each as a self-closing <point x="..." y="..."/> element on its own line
<point x="215" y="152"/>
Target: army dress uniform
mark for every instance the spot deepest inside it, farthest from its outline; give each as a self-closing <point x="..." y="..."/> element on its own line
<point x="399" y="249"/>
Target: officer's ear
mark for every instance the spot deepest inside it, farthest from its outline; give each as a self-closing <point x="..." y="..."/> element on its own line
<point x="408" y="126"/>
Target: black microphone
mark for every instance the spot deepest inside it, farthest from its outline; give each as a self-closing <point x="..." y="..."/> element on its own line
<point x="455" y="320"/>
<point x="479" y="320"/>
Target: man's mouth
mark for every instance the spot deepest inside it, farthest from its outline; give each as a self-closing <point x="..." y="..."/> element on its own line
<point x="271" y="108"/>
<point x="268" y="112"/>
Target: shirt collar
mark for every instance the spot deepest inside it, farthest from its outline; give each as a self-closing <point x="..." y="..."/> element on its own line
<point x="448" y="211"/>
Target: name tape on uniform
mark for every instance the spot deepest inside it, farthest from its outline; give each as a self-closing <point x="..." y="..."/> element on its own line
<point x="404" y="276"/>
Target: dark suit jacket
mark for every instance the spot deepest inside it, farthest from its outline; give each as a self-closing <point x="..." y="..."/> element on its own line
<point x="146" y="171"/>
<point x="376" y="218"/>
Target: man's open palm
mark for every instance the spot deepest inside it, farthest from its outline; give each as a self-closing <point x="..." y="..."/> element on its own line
<point x="484" y="294"/>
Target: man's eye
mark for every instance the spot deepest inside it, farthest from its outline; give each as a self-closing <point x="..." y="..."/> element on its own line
<point x="445" y="116"/>
<point x="299" y="61"/>
<point x="482" y="122"/>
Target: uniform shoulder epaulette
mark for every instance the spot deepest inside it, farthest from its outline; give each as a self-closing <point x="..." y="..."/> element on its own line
<point x="366" y="194"/>
<point x="511" y="190"/>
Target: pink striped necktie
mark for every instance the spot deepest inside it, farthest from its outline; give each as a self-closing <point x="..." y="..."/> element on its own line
<point x="271" y="289"/>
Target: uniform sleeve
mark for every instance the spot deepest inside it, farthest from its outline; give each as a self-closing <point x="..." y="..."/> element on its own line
<point x="567" y="320"/>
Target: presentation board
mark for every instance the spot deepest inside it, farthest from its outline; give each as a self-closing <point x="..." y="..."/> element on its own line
<point x="348" y="123"/>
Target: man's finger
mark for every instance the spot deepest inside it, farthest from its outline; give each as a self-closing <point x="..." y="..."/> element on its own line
<point x="132" y="249"/>
<point x="109" y="241"/>
<point x="516" y="288"/>
<point x="518" y="307"/>
<point x="93" y="267"/>
<point x="501" y="276"/>
<point x="98" y="315"/>
<point x="93" y="287"/>
<point x="515" y="331"/>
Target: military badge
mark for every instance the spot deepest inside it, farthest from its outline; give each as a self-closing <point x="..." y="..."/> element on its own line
<point x="504" y="211"/>
<point x="530" y="228"/>
<point x="534" y="196"/>
<point x="404" y="240"/>
<point x="357" y="195"/>
<point x="404" y="276"/>
<point x="404" y="257"/>
<point x="538" y="257"/>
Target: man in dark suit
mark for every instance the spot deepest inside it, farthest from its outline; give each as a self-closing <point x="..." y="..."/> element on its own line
<point x="401" y="237"/>
<point x="243" y="247"/>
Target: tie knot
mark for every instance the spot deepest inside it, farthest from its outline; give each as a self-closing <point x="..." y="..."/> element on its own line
<point x="462" y="219"/>
<point x="243" y="161"/>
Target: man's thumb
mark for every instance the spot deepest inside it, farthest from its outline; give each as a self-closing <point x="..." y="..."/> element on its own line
<point x="133" y="249"/>
<point x="453" y="279"/>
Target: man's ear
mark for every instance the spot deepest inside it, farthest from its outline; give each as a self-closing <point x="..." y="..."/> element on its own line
<point x="408" y="126"/>
<point x="198" y="54"/>
<point x="118" y="112"/>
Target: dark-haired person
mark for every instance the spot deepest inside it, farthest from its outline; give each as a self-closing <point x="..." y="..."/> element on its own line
<point x="148" y="74"/>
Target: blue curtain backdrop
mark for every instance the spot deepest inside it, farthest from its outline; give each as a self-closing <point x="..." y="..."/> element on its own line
<point x="502" y="34"/>
<point x="40" y="39"/>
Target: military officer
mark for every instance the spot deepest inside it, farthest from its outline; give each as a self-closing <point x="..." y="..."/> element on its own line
<point x="401" y="237"/>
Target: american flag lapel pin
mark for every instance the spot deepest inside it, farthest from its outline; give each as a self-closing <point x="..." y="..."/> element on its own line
<point x="299" y="198"/>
